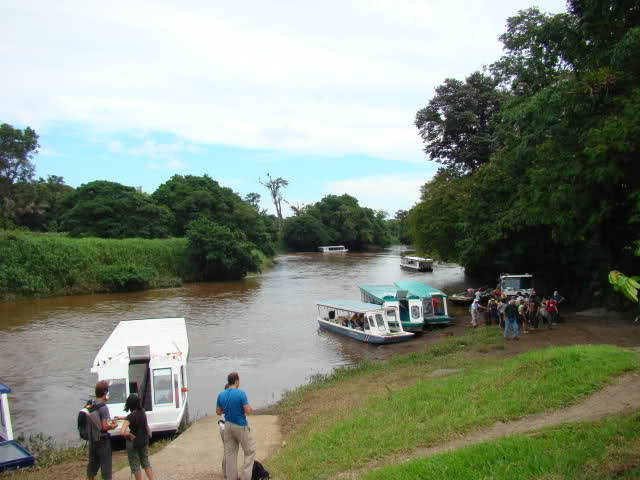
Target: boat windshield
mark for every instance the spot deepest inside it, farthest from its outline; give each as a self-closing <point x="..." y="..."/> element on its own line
<point x="380" y="322"/>
<point x="415" y="312"/>
<point x="391" y="319"/>
<point x="517" y="283"/>
<point x="438" y="305"/>
<point x="117" y="390"/>
<point x="162" y="386"/>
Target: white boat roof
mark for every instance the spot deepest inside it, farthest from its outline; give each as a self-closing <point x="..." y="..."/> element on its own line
<point x="164" y="336"/>
<point x="419" y="259"/>
<point x="331" y="246"/>
<point x="350" y="305"/>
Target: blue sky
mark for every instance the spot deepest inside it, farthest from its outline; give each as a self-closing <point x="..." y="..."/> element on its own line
<point x="320" y="93"/>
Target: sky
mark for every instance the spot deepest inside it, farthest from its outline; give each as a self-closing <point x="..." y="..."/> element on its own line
<point x="323" y="94"/>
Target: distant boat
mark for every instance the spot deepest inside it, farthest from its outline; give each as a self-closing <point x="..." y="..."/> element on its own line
<point x="12" y="454"/>
<point x="333" y="249"/>
<point x="512" y="285"/>
<point x="409" y="306"/>
<point x="147" y="357"/>
<point x="434" y="302"/>
<point x="366" y="322"/>
<point x="418" y="264"/>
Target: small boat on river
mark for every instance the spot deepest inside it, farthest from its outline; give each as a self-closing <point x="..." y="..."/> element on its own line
<point x="333" y="249"/>
<point x="409" y="306"/>
<point x="366" y="322"/>
<point x="12" y="454"/>
<point x="434" y="302"/>
<point x="147" y="357"/>
<point x="466" y="297"/>
<point x="417" y="264"/>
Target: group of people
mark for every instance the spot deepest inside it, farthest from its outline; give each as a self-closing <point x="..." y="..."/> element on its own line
<point x="522" y="312"/>
<point x="134" y="429"/>
<point x="232" y="405"/>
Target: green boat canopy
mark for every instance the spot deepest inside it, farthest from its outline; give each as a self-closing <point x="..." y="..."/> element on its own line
<point x="383" y="292"/>
<point x="420" y="289"/>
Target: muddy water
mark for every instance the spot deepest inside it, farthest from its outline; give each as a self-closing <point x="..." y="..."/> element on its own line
<point x="264" y="327"/>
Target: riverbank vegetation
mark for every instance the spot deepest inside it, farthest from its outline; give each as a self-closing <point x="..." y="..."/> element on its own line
<point x="539" y="152"/>
<point x="379" y="412"/>
<point x="606" y="449"/>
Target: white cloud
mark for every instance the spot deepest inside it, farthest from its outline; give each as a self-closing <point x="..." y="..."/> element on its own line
<point x="49" y="152"/>
<point x="176" y="164"/>
<point x="389" y="192"/>
<point x="332" y="77"/>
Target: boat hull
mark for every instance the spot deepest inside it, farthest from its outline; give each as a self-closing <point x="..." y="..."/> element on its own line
<point x="363" y="336"/>
<point x="417" y="269"/>
<point x="439" y="320"/>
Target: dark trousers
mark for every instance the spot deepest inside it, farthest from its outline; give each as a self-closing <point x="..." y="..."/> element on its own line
<point x="100" y="458"/>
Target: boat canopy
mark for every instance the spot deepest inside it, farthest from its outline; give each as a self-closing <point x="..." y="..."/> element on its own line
<point x="166" y="338"/>
<point x="419" y="259"/>
<point x="349" y="305"/>
<point x="420" y="289"/>
<point x="386" y="292"/>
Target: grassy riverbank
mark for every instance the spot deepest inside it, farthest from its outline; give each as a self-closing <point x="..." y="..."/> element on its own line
<point x="34" y="264"/>
<point x="606" y="449"/>
<point x="374" y="412"/>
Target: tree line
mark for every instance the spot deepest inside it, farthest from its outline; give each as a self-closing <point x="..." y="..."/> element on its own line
<point x="539" y="151"/>
<point x="228" y="236"/>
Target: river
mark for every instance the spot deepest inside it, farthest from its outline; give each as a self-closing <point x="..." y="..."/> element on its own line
<point x="263" y="326"/>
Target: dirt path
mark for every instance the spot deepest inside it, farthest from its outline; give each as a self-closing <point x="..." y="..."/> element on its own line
<point x="197" y="453"/>
<point x="621" y="396"/>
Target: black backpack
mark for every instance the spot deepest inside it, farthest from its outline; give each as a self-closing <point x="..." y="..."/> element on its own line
<point x="259" y="472"/>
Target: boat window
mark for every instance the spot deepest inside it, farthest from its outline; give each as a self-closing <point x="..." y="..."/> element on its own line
<point x="163" y="393"/>
<point x="427" y="307"/>
<point x="117" y="390"/>
<point x="438" y="305"/>
<point x="517" y="283"/>
<point x="415" y="311"/>
<point x="392" y="319"/>
<point x="380" y="322"/>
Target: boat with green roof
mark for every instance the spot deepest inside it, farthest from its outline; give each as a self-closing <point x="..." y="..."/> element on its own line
<point x="434" y="301"/>
<point x="409" y="306"/>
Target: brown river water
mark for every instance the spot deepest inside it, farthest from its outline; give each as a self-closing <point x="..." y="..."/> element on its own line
<point x="264" y="327"/>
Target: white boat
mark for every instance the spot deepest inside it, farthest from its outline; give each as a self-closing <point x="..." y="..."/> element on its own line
<point x="366" y="322"/>
<point x="147" y="357"/>
<point x="12" y="454"/>
<point x="333" y="249"/>
<point x="418" y="264"/>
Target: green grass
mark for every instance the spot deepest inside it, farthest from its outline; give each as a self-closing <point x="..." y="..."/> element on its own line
<point x="52" y="264"/>
<point x="607" y="449"/>
<point x="434" y="410"/>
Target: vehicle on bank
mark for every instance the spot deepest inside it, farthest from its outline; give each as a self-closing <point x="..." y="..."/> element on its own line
<point x="333" y="249"/>
<point x="417" y="264"/>
<point x="409" y="306"/>
<point x="366" y="322"/>
<point x="511" y="285"/>
<point x="12" y="454"/>
<point x="147" y="357"/>
<point x="434" y="302"/>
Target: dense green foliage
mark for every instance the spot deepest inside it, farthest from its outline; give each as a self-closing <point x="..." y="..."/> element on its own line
<point x="559" y="194"/>
<point x="190" y="197"/>
<point x="606" y="450"/>
<point x="53" y="264"/>
<point x="111" y="210"/>
<point x="219" y="251"/>
<point x="439" y="408"/>
<point x="336" y="220"/>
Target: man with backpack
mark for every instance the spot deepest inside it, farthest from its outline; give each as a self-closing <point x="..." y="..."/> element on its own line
<point x="98" y="425"/>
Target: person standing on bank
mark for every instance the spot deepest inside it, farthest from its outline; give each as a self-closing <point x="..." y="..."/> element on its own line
<point x="100" y="451"/>
<point x="137" y="437"/>
<point x="235" y="406"/>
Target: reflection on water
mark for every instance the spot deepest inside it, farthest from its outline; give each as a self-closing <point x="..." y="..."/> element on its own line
<point x="264" y="327"/>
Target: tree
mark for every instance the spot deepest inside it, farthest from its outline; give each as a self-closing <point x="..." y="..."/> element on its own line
<point x="220" y="252"/>
<point x="253" y="199"/>
<point x="275" y="186"/>
<point x="192" y="197"/>
<point x="305" y="233"/>
<point x="17" y="148"/>
<point x="112" y="210"/>
<point x="457" y="126"/>
<point x="37" y="205"/>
